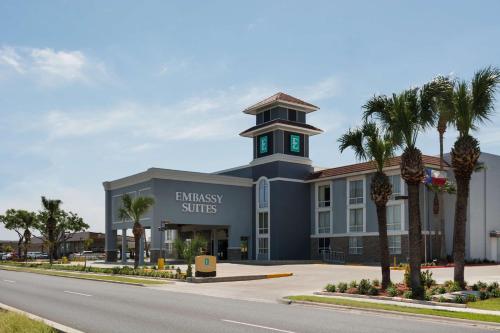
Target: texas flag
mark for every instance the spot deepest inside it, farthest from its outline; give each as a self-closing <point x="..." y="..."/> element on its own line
<point x="435" y="177"/>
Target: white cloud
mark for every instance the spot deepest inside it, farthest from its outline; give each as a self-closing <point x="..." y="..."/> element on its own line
<point x="323" y="89"/>
<point x="9" y="57"/>
<point x="51" y="67"/>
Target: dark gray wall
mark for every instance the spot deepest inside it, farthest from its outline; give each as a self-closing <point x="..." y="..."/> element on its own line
<point x="290" y="237"/>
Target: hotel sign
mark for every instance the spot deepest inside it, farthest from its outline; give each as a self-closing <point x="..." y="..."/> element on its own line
<point x="193" y="202"/>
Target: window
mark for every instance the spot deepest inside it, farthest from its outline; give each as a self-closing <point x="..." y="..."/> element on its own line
<point x="323" y="245"/>
<point x="395" y="181"/>
<point x="394" y="244"/>
<point x="263" y="193"/>
<point x="263" y="223"/>
<point x="394" y="217"/>
<point x="356" y="192"/>
<point x="324" y="196"/>
<point x="355" y="245"/>
<point x="292" y="115"/>
<point x="356" y="220"/>
<point x="263" y="246"/>
<point x="324" y="222"/>
<point x="267" y="115"/>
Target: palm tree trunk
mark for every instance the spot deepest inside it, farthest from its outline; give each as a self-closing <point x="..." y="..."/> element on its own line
<point x="384" y="245"/>
<point x="442" y="226"/>
<point x="415" y="239"/>
<point x="459" y="229"/>
<point x="137" y="231"/>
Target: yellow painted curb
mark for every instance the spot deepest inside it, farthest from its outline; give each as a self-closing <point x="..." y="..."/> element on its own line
<point x="273" y="276"/>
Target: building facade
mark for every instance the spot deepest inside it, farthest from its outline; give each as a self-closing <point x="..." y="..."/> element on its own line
<point x="278" y="207"/>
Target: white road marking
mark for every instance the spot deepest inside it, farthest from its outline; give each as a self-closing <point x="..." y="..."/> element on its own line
<point x="9" y="281"/>
<point x="75" y="293"/>
<point x="258" y="326"/>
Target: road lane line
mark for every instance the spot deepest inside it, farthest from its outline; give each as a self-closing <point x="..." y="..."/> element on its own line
<point x="75" y="293"/>
<point x="258" y="326"/>
<point x="9" y="281"/>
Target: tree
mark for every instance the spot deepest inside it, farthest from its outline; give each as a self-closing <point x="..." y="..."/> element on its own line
<point x="404" y="116"/>
<point x="444" y="119"/>
<point x="188" y="250"/>
<point x="370" y="144"/>
<point x="20" y="221"/>
<point x="134" y="210"/>
<point x="56" y="226"/>
<point x="473" y="104"/>
<point x="87" y="244"/>
<point x="49" y="222"/>
<point x="7" y="248"/>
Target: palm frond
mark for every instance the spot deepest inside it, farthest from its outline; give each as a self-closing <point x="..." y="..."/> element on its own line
<point x="353" y="139"/>
<point x="483" y="86"/>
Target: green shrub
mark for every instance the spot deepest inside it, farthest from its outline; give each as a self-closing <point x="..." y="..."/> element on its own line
<point x="426" y="279"/>
<point x="392" y="291"/>
<point x="428" y="295"/>
<point x="492" y="286"/>
<point x="376" y="283"/>
<point x="364" y="286"/>
<point x="459" y="299"/>
<point x="353" y="284"/>
<point x="484" y="295"/>
<point x="408" y="294"/>
<point x="470" y="298"/>
<point x="495" y="293"/>
<point x="453" y="286"/>
<point x="330" y="288"/>
<point x="373" y="291"/>
<point x="342" y="287"/>
<point x="479" y="285"/>
<point x="442" y="299"/>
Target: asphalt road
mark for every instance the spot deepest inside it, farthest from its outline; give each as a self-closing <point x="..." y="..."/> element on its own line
<point x="92" y="306"/>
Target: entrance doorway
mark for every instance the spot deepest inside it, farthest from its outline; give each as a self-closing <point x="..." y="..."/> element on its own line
<point x="222" y="249"/>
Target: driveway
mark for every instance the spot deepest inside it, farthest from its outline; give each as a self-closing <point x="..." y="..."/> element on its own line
<point x="306" y="279"/>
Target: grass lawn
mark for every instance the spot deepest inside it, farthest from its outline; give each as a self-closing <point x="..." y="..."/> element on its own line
<point x="390" y="307"/>
<point x="488" y="304"/>
<point x="16" y="323"/>
<point x="85" y="276"/>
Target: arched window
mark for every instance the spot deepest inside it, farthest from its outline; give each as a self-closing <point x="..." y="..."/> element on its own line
<point x="263" y="193"/>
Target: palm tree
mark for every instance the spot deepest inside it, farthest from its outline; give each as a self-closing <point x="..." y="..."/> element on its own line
<point x="370" y="144"/>
<point x="52" y="210"/>
<point x="404" y="117"/>
<point x="473" y="104"/>
<point x="134" y="210"/>
<point x="444" y="119"/>
<point x="188" y="250"/>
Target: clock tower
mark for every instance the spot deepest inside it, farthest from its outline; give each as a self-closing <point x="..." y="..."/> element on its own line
<point x="281" y="131"/>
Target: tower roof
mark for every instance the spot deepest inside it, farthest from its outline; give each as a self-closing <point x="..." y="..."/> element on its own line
<point x="281" y="99"/>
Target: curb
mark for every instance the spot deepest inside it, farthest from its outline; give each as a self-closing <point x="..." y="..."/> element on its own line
<point x="475" y="323"/>
<point x="393" y="299"/>
<point x="58" y="327"/>
<point x="236" y="278"/>
<point x="80" y="278"/>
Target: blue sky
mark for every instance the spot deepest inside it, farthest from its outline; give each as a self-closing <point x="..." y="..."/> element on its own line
<point x="97" y="90"/>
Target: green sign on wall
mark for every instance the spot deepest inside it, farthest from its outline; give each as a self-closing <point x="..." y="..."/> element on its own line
<point x="295" y="143"/>
<point x="263" y="144"/>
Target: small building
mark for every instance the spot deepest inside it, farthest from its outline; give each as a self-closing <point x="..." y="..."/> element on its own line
<point x="279" y="207"/>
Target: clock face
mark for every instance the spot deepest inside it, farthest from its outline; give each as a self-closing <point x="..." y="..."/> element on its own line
<point x="263" y="142"/>
<point x="294" y="143"/>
